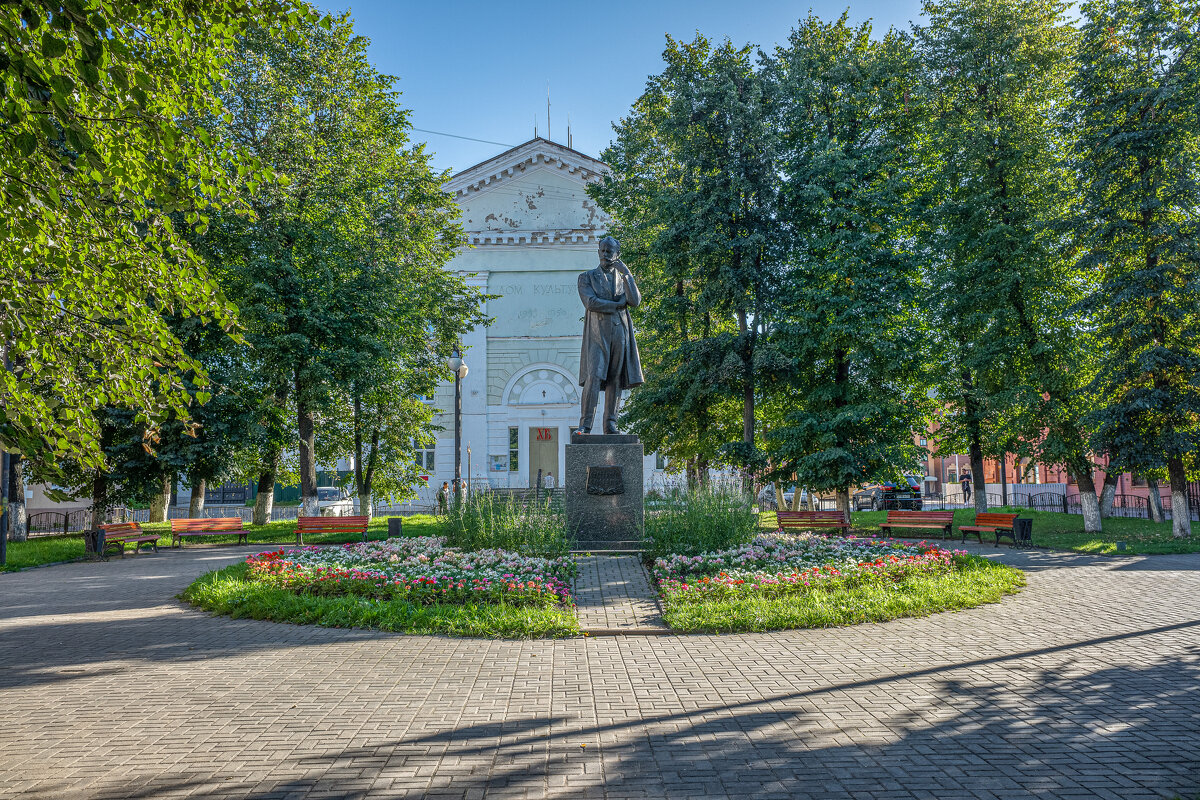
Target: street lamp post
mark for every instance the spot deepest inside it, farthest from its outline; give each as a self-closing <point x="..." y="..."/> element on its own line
<point x="459" y="368"/>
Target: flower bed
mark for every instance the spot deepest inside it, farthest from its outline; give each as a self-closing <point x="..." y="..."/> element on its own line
<point x="420" y="570"/>
<point x="780" y="581"/>
<point x="782" y="564"/>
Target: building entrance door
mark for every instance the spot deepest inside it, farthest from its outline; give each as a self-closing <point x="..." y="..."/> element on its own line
<point x="543" y="454"/>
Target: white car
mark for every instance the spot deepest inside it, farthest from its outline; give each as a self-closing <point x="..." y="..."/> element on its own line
<point x="766" y="496"/>
<point x="334" y="502"/>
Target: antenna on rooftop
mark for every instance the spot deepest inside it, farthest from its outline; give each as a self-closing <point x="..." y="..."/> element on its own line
<point x="569" y="132"/>
<point x="535" y="126"/>
<point x="549" y="138"/>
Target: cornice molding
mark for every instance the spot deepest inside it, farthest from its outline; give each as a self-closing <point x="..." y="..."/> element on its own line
<point x="528" y="238"/>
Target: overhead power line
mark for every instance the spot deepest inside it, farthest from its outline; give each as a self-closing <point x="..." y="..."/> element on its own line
<point x="468" y="138"/>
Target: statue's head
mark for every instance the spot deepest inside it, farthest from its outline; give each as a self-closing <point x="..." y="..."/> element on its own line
<point x="609" y="251"/>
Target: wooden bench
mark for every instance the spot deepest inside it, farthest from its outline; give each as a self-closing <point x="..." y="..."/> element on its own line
<point x="986" y="522"/>
<point x="811" y="520"/>
<point x="213" y="526"/>
<point x="930" y="520"/>
<point x="356" y="524"/>
<point x="119" y="534"/>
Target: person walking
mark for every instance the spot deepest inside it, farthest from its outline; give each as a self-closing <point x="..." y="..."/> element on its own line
<point x="548" y="481"/>
<point x="966" y="487"/>
<point x="443" y="498"/>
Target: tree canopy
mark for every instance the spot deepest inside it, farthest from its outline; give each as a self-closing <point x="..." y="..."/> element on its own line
<point x="101" y="173"/>
<point x="1137" y="145"/>
<point x="338" y="274"/>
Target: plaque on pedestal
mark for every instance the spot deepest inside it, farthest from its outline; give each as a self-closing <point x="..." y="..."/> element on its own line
<point x="604" y="491"/>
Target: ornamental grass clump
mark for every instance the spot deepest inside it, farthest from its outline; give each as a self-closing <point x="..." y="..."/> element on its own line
<point x="419" y="570"/>
<point x="689" y="523"/>
<point x="485" y="521"/>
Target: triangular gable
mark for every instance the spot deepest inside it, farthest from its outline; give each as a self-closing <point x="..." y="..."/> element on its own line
<point x="535" y="151"/>
<point x="532" y="194"/>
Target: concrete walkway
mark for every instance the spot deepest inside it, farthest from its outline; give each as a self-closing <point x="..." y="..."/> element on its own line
<point x="1087" y="684"/>
<point x="613" y="595"/>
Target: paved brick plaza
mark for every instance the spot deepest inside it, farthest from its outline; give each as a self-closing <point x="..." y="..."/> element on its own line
<point x="1085" y="685"/>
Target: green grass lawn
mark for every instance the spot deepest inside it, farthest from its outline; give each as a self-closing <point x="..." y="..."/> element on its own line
<point x="49" y="550"/>
<point x="979" y="580"/>
<point x="1055" y="530"/>
<point x="65" y="548"/>
<point x="226" y="591"/>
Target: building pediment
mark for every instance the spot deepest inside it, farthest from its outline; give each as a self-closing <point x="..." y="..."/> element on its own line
<point x="534" y="194"/>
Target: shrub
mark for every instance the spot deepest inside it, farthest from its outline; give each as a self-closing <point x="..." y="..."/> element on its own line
<point x="699" y="522"/>
<point x="485" y="521"/>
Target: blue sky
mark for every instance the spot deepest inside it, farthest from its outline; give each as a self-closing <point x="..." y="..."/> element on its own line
<point x="480" y="69"/>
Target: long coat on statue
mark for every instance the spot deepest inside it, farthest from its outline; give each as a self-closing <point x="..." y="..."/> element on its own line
<point x="598" y="290"/>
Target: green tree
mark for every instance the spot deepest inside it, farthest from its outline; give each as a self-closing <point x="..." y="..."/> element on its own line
<point x="848" y="319"/>
<point x="213" y="450"/>
<point x="1015" y="360"/>
<point x="691" y="188"/>
<point x="1137" y="97"/>
<point x="96" y="156"/>
<point x="349" y="241"/>
<point x="395" y="352"/>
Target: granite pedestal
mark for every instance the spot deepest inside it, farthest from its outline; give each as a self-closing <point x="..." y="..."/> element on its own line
<point x="604" y="491"/>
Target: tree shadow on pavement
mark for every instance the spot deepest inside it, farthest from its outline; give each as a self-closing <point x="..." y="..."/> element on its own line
<point x="1045" y="723"/>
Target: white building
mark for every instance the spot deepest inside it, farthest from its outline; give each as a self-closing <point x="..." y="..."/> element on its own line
<point x="530" y="230"/>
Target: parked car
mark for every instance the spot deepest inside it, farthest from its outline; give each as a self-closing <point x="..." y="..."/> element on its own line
<point x="334" y="502"/>
<point x="766" y="496"/>
<point x="904" y="492"/>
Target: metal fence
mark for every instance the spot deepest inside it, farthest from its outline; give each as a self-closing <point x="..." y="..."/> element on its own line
<point x="58" y="523"/>
<point x="1123" y="505"/>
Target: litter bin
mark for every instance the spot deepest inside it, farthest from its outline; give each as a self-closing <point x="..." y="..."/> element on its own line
<point x="93" y="544"/>
<point x="395" y="527"/>
<point x="1022" y="532"/>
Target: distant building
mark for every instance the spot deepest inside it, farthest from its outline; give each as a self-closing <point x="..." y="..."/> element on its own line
<point x="530" y="230"/>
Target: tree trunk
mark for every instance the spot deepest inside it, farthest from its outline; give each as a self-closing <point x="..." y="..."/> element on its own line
<point x="843" y="501"/>
<point x="359" y="487"/>
<point x="812" y="501"/>
<point x="307" y="455"/>
<point x="162" y="500"/>
<point x="18" y="518"/>
<point x="779" y="501"/>
<point x="796" y="498"/>
<point x="1003" y="479"/>
<point x="1181" y="515"/>
<point x="99" y="498"/>
<point x="1107" y="493"/>
<point x="264" y="501"/>
<point x="364" y="468"/>
<point x="747" y="347"/>
<point x="196" y="505"/>
<point x="975" y="443"/>
<point x="1154" y="500"/>
<point x="1088" y="500"/>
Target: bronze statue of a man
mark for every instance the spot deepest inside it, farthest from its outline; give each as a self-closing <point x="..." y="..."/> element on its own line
<point x="609" y="359"/>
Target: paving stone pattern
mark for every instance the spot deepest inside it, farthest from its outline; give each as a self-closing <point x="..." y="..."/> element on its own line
<point x="613" y="594"/>
<point x="1087" y="684"/>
